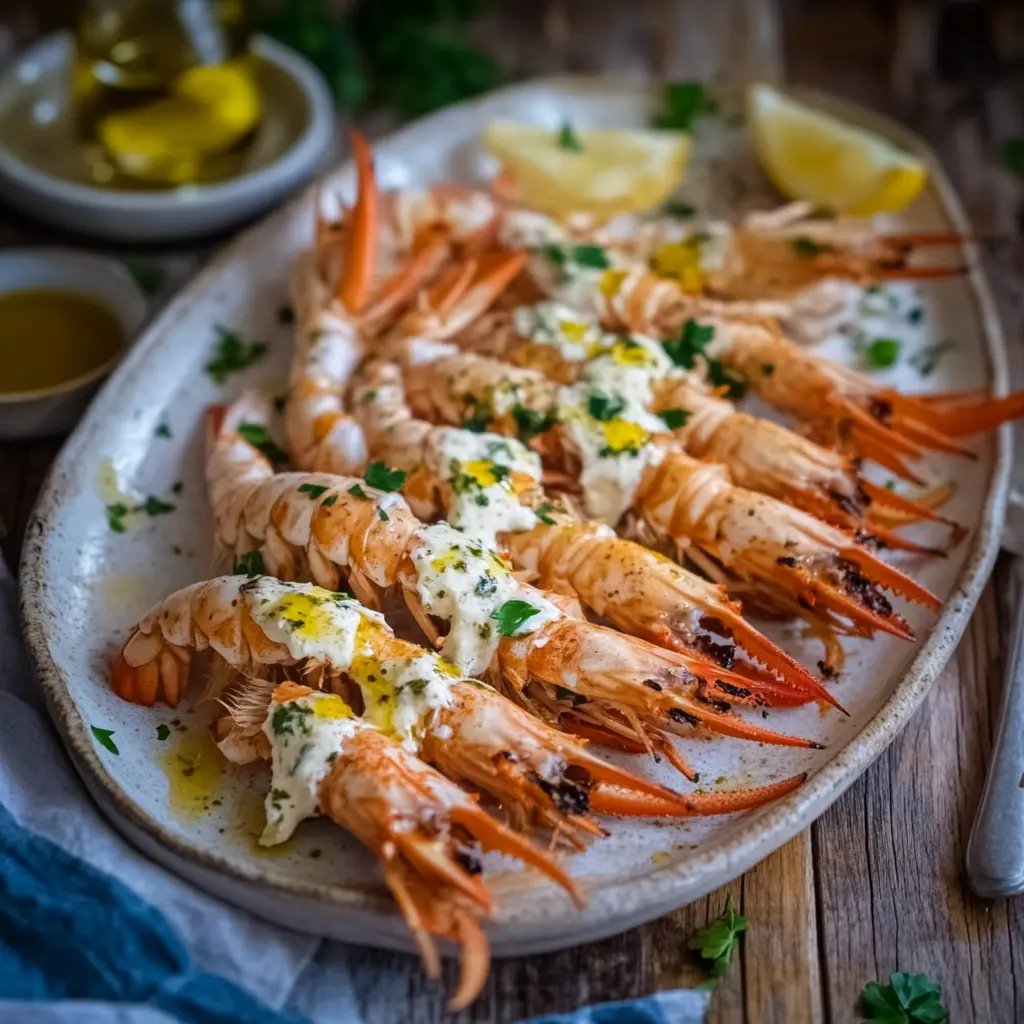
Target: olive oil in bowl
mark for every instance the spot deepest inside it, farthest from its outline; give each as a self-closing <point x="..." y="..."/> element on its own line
<point x="165" y="91"/>
<point x="52" y="338"/>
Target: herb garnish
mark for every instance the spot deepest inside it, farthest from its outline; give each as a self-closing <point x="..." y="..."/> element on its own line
<point x="605" y="407"/>
<point x="591" y="256"/>
<point x="808" y="248"/>
<point x="693" y="339"/>
<point x="103" y="737"/>
<point x="163" y="731"/>
<point x="148" y="276"/>
<point x="328" y="502"/>
<point x="512" y="614"/>
<point x="568" y="139"/>
<point x="915" y="315"/>
<point x="675" y="418"/>
<point x="682" y="104"/>
<point x="907" y="999"/>
<point x="285" y="314"/>
<point x="530" y="423"/>
<point x="357" y="492"/>
<point x="882" y="353"/>
<point x="721" y="377"/>
<point x="289" y="717"/>
<point x="767" y="369"/>
<point x="164" y="430"/>
<point x="382" y="515"/>
<point x="232" y="355"/>
<point x="543" y="510"/>
<point x="378" y="475"/>
<point x="250" y="564"/>
<point x="716" y="941"/>
<point x="926" y="360"/>
<point x="679" y="208"/>
<point x="152" y="506"/>
<point x="313" y="490"/>
<point x="259" y="437"/>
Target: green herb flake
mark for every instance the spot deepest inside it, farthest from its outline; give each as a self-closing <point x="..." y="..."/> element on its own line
<point x="153" y="506"/>
<point x="329" y="502"/>
<point x="313" y="490"/>
<point x="808" y="248"/>
<point x="604" y="408"/>
<point x="250" y="564"/>
<point x="259" y="437"/>
<point x="679" y="208"/>
<point x="285" y="314"/>
<point x="530" y="423"/>
<point x="105" y="739"/>
<point x="357" y="492"/>
<point x="512" y="614"/>
<point x="675" y="418"/>
<point x="682" y="104"/>
<point x="378" y="475"/>
<point x="767" y="369"/>
<point x="716" y="941"/>
<point x="591" y="256"/>
<point x="382" y="515"/>
<point x="148" y="276"/>
<point x="162" y="732"/>
<point x="915" y="315"/>
<point x="164" y="430"/>
<point x="232" y="355"/>
<point x="719" y="376"/>
<point x="568" y="139"/>
<point x="289" y="717"/>
<point x="544" y="510"/>
<point x="907" y="999"/>
<point x="882" y="353"/>
<point x="177" y="487"/>
<point x="115" y="517"/>
<point x="477" y="424"/>
<point x="692" y="341"/>
<point x="927" y="359"/>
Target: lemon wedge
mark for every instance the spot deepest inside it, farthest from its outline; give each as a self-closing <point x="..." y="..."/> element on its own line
<point x="812" y="155"/>
<point x="209" y="110"/>
<point x="603" y="172"/>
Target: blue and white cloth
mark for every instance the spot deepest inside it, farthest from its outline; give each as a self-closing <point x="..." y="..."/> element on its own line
<point x="93" y="933"/>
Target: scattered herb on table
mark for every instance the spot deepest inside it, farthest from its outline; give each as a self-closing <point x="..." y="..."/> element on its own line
<point x="148" y="276"/>
<point x="568" y="139"/>
<point x="163" y="731"/>
<point x="882" y="353"/>
<point x="152" y="506"/>
<point x="383" y="478"/>
<point x="907" y="999"/>
<point x="259" y="437"/>
<point x="682" y="103"/>
<point x="716" y="941"/>
<point x="164" y="430"/>
<point x="915" y="315"/>
<point x="105" y="739"/>
<point x="927" y="359"/>
<point x="250" y="564"/>
<point x="512" y="614"/>
<point x="232" y="355"/>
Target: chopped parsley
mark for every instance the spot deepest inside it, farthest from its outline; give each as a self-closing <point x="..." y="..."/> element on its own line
<point x="512" y="614"/>
<point x="477" y="424"/>
<point x="721" y="377"/>
<point x="285" y="314"/>
<point x="357" y="492"/>
<point x="250" y="564"/>
<point x="915" y="315"/>
<point x="530" y="423"/>
<point x="692" y="340"/>
<point x="378" y="475"/>
<point x="288" y="718"/>
<point x="716" y="941"/>
<point x="605" y="407"/>
<point x="162" y="732"/>
<point x="148" y="276"/>
<point x="177" y="487"/>
<point x="681" y="104"/>
<point x="313" y="490"/>
<point x="882" y="353"/>
<point x="544" y="510"/>
<point x="382" y="515"/>
<point x="164" y="430"/>
<point x="485" y="586"/>
<point x="152" y="506"/>
<point x="680" y="209"/>
<point x="907" y="999"/>
<point x="568" y="139"/>
<point x="927" y="359"/>
<point x="767" y="369"/>
<point x="328" y="502"/>
<point x="232" y="355"/>
<point x="104" y="738"/>
<point x="259" y="437"/>
<point x="808" y="248"/>
<point x="675" y="418"/>
<point x="590" y="256"/>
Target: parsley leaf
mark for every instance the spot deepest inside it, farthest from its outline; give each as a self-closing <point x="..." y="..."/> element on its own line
<point x="477" y="424"/>
<point x="163" y="731"/>
<point x="591" y="256"/>
<point x="512" y="614"/>
<point x="250" y="564"/>
<point x="605" y="407"/>
<point x="153" y="506"/>
<point x="716" y="941"/>
<point x="115" y="517"/>
<point x="882" y="353"/>
<point x="808" y="248"/>
<point x="384" y="479"/>
<point x="357" y="492"/>
<point x="692" y="340"/>
<point x="329" y="502"/>
<point x="926" y="360"/>
<point x="568" y="139"/>
<point x="259" y="437"/>
<point x="543" y="512"/>
<point x="285" y="314"/>
<point x="148" y="276"/>
<point x="382" y="515"/>
<point x="232" y="355"/>
<point x="313" y="490"/>
<point x="907" y="999"/>
<point x="682" y="104"/>
<point x="679" y="208"/>
<point x="530" y="423"/>
<point x="103" y="737"/>
<point x="767" y="369"/>
<point x="163" y="430"/>
<point x="675" y="418"/>
<point x="721" y="377"/>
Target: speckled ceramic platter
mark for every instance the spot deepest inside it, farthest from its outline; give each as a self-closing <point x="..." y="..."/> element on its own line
<point x="156" y="775"/>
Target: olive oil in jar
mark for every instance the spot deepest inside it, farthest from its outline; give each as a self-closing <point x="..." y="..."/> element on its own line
<point x="165" y="90"/>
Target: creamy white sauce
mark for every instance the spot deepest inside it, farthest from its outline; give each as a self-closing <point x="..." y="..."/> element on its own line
<point x="466" y="584"/>
<point x="306" y="736"/>
<point x="527" y="229"/>
<point x="572" y="333"/>
<point x="401" y="692"/>
<point x="484" y="502"/>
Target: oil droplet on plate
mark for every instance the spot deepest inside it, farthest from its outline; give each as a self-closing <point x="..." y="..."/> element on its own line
<point x="252" y="819"/>
<point x="108" y="487"/>
<point x="125" y="594"/>
<point x="661" y="858"/>
<point x="194" y="768"/>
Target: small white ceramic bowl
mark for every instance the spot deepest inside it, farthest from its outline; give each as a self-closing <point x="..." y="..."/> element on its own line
<point x="295" y="137"/>
<point x="54" y="410"/>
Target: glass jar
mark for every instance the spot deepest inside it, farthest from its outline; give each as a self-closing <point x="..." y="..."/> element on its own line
<point x="166" y="91"/>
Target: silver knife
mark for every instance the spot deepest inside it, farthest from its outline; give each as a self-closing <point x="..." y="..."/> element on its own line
<point x="995" y="851"/>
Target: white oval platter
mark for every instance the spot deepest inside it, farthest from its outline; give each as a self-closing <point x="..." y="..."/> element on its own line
<point x="84" y="585"/>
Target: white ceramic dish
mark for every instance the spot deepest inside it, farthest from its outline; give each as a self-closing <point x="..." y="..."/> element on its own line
<point x="36" y="136"/>
<point x="55" y="410"/>
<point x="83" y="586"/>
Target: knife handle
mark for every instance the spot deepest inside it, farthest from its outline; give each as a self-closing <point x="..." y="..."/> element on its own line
<point x="995" y="851"/>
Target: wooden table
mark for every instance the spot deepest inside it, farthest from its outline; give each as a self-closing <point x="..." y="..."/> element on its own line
<point x="875" y="885"/>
